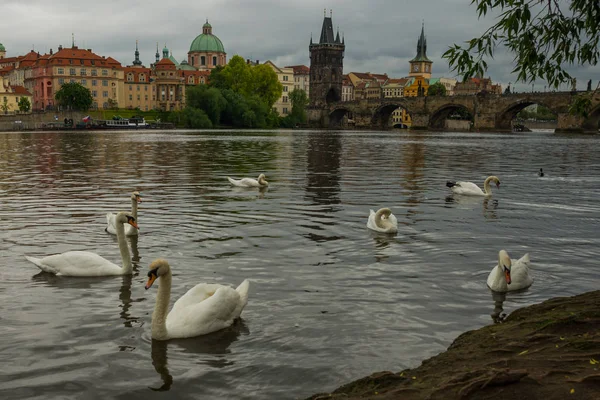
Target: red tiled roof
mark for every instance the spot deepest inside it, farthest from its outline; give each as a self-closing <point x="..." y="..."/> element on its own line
<point x="165" y="63"/>
<point x="20" y="90"/>
<point x="83" y="58"/>
<point x="300" y="69"/>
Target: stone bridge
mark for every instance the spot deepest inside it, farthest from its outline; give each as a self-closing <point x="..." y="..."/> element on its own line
<point x="490" y="112"/>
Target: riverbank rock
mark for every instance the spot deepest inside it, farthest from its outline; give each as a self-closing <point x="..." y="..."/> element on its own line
<point x="546" y="351"/>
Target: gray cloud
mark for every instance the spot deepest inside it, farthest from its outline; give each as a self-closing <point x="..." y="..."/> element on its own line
<point x="381" y="35"/>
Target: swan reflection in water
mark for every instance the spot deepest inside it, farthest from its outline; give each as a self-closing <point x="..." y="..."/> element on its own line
<point x="489" y="205"/>
<point x="498" y="316"/>
<point x="259" y="190"/>
<point x="215" y="344"/>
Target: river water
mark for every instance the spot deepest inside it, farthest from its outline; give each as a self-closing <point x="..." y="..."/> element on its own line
<point x="330" y="301"/>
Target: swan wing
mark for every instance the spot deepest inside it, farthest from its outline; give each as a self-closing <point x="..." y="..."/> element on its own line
<point x="249" y="182"/>
<point x="371" y="221"/>
<point x="77" y="263"/>
<point x="242" y="289"/>
<point x="234" y="182"/>
<point x="393" y="220"/>
<point x="492" y="284"/>
<point x="521" y="278"/>
<point x="111" y="224"/>
<point x="205" y="315"/>
<point x="467" y="188"/>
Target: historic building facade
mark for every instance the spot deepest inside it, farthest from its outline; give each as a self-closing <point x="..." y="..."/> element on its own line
<point x="285" y="75"/>
<point x="326" y="66"/>
<point x="301" y="78"/>
<point x="10" y="96"/>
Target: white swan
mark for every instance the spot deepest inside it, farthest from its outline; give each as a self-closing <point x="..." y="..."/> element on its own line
<point x="86" y="263"/>
<point x="382" y="221"/>
<point x="111" y="226"/>
<point x="249" y="182"/>
<point x="471" y="189"/>
<point x="205" y="308"/>
<point x="510" y="275"/>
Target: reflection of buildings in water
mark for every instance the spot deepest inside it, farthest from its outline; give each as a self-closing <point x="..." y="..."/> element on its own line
<point x="413" y="157"/>
<point x="489" y="208"/>
<point x="215" y="344"/>
<point x="323" y="169"/>
<point x="497" y="315"/>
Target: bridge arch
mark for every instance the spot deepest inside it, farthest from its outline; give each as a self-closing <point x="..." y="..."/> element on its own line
<point x="336" y="116"/>
<point x="504" y="118"/>
<point x="438" y="117"/>
<point x="381" y="115"/>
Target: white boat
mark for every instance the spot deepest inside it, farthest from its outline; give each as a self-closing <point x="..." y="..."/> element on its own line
<point x="133" y="122"/>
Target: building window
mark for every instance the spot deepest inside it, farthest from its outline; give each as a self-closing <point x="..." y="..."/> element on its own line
<point x="105" y="94"/>
<point x="72" y="80"/>
<point x="94" y="72"/>
<point x="71" y="71"/>
<point x="138" y="97"/>
<point x="61" y="81"/>
<point x="285" y="88"/>
<point x="130" y="88"/>
<point x="83" y="82"/>
<point x="214" y="60"/>
<point x="138" y="88"/>
<point x="146" y="97"/>
<point x="83" y="71"/>
<point x="94" y="93"/>
<point x="94" y="82"/>
<point x="285" y="110"/>
<point x="130" y="97"/>
<point x="202" y="60"/>
<point x="285" y="78"/>
<point x="104" y="83"/>
<point x="105" y="105"/>
<point x="142" y="78"/>
<point x="61" y="71"/>
<point x="285" y="99"/>
<point x="129" y="77"/>
<point x="104" y="72"/>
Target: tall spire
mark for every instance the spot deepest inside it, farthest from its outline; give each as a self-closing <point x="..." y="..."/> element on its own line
<point x="137" y="61"/>
<point x="421" y="46"/>
<point x="72" y="40"/>
<point x="337" y="36"/>
<point x="157" y="55"/>
<point x="327" y="35"/>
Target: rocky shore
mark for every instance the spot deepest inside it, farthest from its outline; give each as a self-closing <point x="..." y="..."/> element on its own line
<point x="546" y="351"/>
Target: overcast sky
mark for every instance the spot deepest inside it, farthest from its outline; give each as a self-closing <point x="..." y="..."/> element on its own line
<point x="381" y="35"/>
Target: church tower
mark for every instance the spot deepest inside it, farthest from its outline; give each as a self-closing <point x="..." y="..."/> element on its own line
<point x="326" y="65"/>
<point x="137" y="62"/>
<point x="421" y="65"/>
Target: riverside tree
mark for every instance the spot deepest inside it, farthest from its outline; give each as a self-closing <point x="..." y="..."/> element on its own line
<point x="542" y="36"/>
<point x="74" y="96"/>
<point x="437" y="89"/>
<point x="24" y="104"/>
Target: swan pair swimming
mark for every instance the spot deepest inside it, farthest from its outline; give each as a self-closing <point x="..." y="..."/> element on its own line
<point x="471" y="189"/>
<point x="111" y="223"/>
<point x="205" y="308"/>
<point x="510" y="275"/>
<point x="249" y="182"/>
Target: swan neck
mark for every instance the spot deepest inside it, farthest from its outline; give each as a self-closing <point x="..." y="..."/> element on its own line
<point x="499" y="280"/>
<point x="134" y="206"/>
<point x="124" y="249"/>
<point x="486" y="185"/>
<point x="159" y="317"/>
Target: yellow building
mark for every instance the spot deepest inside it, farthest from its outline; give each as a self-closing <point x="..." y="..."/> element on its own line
<point x="10" y="97"/>
<point x="283" y="105"/>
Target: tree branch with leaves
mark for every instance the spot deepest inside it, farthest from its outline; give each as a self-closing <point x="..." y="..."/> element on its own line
<point x="543" y="37"/>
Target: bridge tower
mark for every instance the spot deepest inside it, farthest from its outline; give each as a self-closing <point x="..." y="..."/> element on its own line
<point x="326" y="65"/>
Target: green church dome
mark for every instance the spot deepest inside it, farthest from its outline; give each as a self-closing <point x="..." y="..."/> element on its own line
<point x="207" y="42"/>
<point x="2" y="47"/>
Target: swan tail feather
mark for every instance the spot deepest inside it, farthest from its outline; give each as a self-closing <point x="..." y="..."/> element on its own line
<point x="242" y="289"/>
<point x="38" y="263"/>
<point x="450" y="184"/>
<point x="232" y="181"/>
<point x="525" y="258"/>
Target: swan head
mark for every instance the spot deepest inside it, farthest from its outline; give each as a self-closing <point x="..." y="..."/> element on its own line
<point x="505" y="264"/>
<point x="158" y="268"/>
<point x="495" y="180"/>
<point x="136" y="196"/>
<point x="124" y="218"/>
<point x="262" y="179"/>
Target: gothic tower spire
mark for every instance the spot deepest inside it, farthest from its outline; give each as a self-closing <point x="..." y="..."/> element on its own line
<point x="157" y="55"/>
<point x="137" y="61"/>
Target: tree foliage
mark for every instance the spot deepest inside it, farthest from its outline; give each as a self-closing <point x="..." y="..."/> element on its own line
<point x="74" y="96"/>
<point x="542" y="36"/>
<point x="24" y="104"/>
<point x="5" y="106"/>
<point x="299" y="101"/>
<point x="437" y="89"/>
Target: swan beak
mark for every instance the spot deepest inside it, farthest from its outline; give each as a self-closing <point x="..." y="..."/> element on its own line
<point x="134" y="224"/>
<point x="151" y="280"/>
<point x="498" y="185"/>
<point x="507" y="276"/>
<point x="139" y="199"/>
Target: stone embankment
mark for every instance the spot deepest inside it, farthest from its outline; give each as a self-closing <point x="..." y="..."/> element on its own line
<point x="16" y="122"/>
<point x="546" y="351"/>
